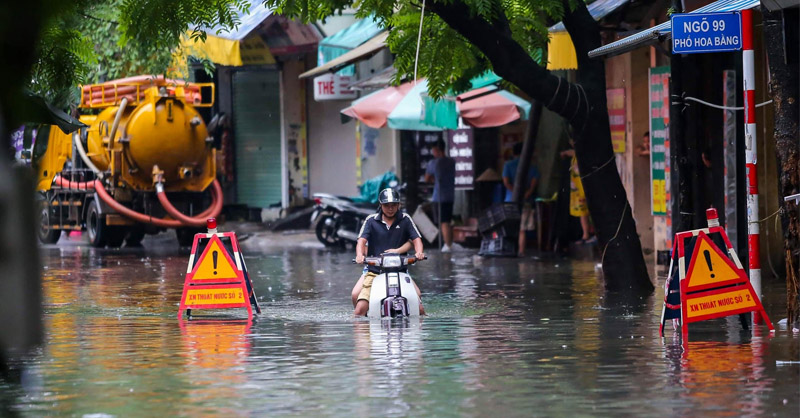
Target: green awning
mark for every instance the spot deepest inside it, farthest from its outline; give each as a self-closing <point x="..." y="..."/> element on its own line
<point x="345" y="40"/>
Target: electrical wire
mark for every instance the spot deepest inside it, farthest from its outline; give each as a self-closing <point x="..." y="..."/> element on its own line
<point x="419" y="40"/>
<point x="715" y="106"/>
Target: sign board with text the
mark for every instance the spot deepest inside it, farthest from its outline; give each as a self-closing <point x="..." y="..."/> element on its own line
<point x="694" y="33"/>
<point x="334" y="87"/>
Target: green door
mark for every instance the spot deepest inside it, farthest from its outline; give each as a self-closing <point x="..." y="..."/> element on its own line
<point x="257" y="127"/>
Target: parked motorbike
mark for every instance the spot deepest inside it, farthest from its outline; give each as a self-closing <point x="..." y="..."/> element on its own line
<point x="338" y="219"/>
<point x="393" y="292"/>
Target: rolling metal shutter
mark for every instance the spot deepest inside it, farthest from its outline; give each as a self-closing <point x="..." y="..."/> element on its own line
<point x="257" y="125"/>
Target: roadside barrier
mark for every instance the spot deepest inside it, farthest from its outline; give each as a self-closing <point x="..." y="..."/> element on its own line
<point x="218" y="278"/>
<point x="713" y="285"/>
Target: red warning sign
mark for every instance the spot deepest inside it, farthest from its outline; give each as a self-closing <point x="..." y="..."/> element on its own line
<point x="714" y="285"/>
<point x="214" y="264"/>
<point x="710" y="268"/>
<point x="218" y="278"/>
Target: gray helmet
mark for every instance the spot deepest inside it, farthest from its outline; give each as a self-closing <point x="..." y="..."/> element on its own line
<point x="388" y="196"/>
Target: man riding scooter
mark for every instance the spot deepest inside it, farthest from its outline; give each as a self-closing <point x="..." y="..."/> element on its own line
<point x="384" y="232"/>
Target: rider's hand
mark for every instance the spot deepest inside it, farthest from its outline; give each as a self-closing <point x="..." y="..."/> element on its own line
<point x="392" y="251"/>
<point x="419" y="255"/>
<point x="360" y="259"/>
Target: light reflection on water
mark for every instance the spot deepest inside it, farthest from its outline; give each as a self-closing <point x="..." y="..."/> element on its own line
<point x="504" y="338"/>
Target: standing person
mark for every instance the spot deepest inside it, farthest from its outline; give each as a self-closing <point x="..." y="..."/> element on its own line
<point x="527" y="221"/>
<point x="577" y="198"/>
<point x="441" y="171"/>
<point x="384" y="232"/>
<point x="644" y="147"/>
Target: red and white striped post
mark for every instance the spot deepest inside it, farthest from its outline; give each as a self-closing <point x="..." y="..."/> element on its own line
<point x="751" y="155"/>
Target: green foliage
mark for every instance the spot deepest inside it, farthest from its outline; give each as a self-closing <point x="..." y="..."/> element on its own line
<point x="116" y="59"/>
<point x="91" y="41"/>
<point x="63" y="56"/>
<point x="447" y="59"/>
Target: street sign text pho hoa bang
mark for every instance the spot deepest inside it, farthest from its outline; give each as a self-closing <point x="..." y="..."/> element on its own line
<point x="706" y="32"/>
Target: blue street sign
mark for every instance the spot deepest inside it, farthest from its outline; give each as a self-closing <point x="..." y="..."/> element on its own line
<point x="706" y="32"/>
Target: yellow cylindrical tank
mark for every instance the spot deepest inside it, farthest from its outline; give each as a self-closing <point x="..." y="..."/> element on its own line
<point x="161" y="130"/>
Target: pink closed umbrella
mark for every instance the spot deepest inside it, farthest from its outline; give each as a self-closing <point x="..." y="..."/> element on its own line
<point x="490" y="109"/>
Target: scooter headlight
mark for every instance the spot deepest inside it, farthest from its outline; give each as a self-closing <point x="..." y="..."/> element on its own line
<point x="392" y="261"/>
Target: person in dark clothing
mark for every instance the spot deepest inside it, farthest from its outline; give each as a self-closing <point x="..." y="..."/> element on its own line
<point x="441" y="171"/>
<point x="387" y="231"/>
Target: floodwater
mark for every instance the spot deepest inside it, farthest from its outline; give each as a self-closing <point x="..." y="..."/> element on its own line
<point x="504" y="337"/>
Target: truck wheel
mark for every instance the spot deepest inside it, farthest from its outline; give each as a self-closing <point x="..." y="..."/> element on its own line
<point x="116" y="235"/>
<point x="135" y="237"/>
<point x="96" y="226"/>
<point x="45" y="233"/>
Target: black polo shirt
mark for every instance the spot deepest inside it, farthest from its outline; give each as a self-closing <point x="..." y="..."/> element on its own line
<point x="381" y="237"/>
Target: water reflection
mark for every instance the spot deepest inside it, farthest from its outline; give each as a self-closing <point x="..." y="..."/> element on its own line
<point x="216" y="353"/>
<point x="505" y="337"/>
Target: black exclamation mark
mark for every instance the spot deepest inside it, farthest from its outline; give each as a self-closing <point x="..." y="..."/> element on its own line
<point x="705" y="253"/>
<point x="214" y="256"/>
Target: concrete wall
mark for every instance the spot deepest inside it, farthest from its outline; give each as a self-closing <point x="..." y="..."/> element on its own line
<point x="331" y="148"/>
<point x="333" y="145"/>
<point x="295" y="130"/>
<point x="637" y="108"/>
<point x="629" y="71"/>
<point x="379" y="152"/>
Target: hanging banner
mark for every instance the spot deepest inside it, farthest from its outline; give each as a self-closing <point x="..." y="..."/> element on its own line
<point x="459" y="147"/>
<point x="659" y="139"/>
<point x="616" y="118"/>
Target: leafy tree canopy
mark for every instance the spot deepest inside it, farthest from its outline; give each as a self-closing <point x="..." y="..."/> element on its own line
<point x="445" y="57"/>
<point x="89" y="41"/>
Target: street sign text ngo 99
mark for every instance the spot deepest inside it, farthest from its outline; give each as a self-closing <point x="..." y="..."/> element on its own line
<point x="706" y="32"/>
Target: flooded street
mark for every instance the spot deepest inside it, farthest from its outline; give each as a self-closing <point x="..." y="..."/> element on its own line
<point x="504" y="337"/>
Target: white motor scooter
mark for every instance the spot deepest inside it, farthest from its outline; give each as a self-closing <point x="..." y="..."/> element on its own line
<point x="393" y="292"/>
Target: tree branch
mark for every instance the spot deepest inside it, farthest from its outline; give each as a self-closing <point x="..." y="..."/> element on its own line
<point x="509" y="60"/>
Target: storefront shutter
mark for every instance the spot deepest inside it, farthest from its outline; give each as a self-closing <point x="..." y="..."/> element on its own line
<point x="257" y="125"/>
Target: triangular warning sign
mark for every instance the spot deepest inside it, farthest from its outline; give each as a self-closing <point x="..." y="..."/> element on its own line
<point x="214" y="264"/>
<point x="710" y="267"/>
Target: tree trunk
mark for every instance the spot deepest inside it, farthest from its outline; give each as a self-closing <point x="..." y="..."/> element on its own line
<point x="781" y="39"/>
<point x="22" y="328"/>
<point x="529" y="144"/>
<point x="584" y="106"/>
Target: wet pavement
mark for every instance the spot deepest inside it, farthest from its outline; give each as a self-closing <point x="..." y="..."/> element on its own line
<point x="504" y="337"/>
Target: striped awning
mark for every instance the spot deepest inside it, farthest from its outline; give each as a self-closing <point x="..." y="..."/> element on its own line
<point x="664" y="30"/>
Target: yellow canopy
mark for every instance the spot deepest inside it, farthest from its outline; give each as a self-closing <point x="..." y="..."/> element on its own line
<point x="561" y="52"/>
<point x="252" y="50"/>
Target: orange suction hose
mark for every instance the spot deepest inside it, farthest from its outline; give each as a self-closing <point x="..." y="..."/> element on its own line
<point x="180" y="220"/>
<point x="200" y="220"/>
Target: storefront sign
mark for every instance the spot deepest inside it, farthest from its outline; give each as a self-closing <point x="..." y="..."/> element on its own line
<point x="616" y="118"/>
<point x="425" y="141"/>
<point x="659" y="139"/>
<point x="706" y="32"/>
<point x="333" y="87"/>
<point x="459" y="147"/>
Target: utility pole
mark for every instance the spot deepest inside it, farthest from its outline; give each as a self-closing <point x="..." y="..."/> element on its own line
<point x="680" y="175"/>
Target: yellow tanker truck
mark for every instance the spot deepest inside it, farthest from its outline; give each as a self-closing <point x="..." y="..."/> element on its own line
<point x="111" y="178"/>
